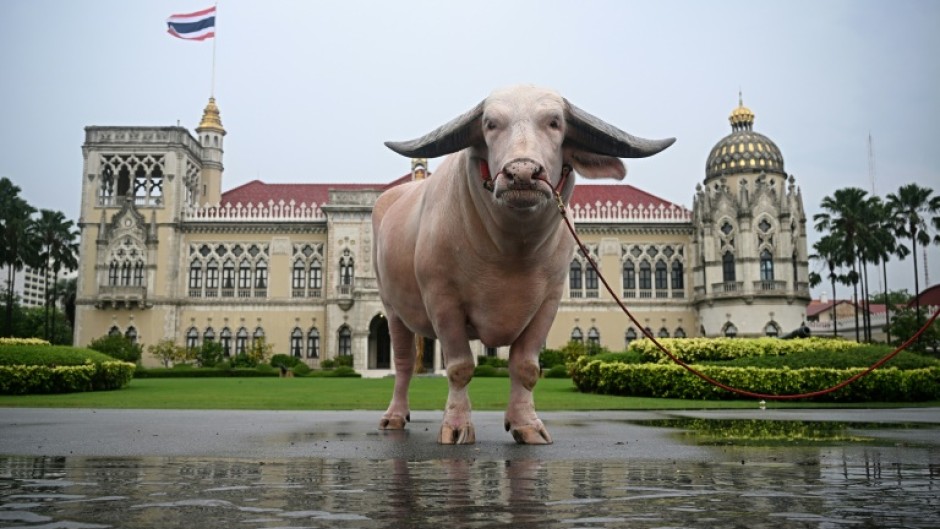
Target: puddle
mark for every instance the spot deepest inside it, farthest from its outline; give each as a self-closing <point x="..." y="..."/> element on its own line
<point x="806" y="487"/>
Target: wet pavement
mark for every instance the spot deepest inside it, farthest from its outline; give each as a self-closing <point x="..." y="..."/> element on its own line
<point x="75" y="469"/>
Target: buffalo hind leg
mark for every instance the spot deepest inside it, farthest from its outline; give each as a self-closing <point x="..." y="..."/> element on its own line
<point x="403" y="347"/>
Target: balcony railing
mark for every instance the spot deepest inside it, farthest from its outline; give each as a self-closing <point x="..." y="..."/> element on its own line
<point x="122" y="295"/>
<point x="770" y="286"/>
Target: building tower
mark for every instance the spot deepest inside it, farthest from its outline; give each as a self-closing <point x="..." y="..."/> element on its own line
<point x="211" y="134"/>
<point x="749" y="239"/>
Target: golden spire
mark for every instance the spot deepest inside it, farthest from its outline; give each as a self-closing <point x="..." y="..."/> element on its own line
<point x="741" y="118"/>
<point x="210" y="118"/>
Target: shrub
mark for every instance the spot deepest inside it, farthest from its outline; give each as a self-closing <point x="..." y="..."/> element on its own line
<point x="50" y="355"/>
<point x="243" y="360"/>
<point x="344" y="361"/>
<point x="549" y="358"/>
<point x="345" y="371"/>
<point x="162" y="372"/>
<point x="301" y="369"/>
<point x="39" y="378"/>
<point x="285" y="361"/>
<point x="490" y="371"/>
<point x="209" y="354"/>
<point x="23" y="341"/>
<point x="266" y="368"/>
<point x="258" y="350"/>
<point x="118" y="346"/>
<point x="329" y="363"/>
<point x="168" y="352"/>
<point x="693" y="350"/>
<point x="557" y="371"/>
<point x="493" y="361"/>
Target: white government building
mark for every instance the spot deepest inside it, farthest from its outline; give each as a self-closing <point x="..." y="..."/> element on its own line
<point x="165" y="253"/>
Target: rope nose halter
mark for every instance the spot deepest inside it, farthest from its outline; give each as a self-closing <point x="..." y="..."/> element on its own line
<point x="703" y="376"/>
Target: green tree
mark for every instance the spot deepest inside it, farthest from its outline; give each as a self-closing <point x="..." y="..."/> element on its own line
<point x="844" y="217"/>
<point x="906" y="322"/>
<point x="168" y="352"/>
<point x="118" y="346"/>
<point x="57" y="251"/>
<point x="209" y="354"/>
<point x="916" y="210"/>
<point x="893" y="298"/>
<point x="16" y="240"/>
<point x="67" y="292"/>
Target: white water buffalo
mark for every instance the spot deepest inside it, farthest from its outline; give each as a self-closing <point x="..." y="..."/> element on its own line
<point x="478" y="251"/>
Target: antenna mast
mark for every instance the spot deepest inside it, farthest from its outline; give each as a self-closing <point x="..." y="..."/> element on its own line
<point x="871" y="180"/>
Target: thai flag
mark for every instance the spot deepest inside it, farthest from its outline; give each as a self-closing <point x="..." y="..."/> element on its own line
<point x="193" y="26"/>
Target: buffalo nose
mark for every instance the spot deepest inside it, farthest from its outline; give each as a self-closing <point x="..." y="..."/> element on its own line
<point x="522" y="171"/>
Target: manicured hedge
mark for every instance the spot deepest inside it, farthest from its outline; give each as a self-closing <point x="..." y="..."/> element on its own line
<point x="205" y="372"/>
<point x="693" y="350"/>
<point x="672" y="381"/>
<point x="34" y="367"/>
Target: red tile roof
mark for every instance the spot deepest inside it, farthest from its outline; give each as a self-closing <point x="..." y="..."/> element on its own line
<point x="815" y="307"/>
<point x="256" y="191"/>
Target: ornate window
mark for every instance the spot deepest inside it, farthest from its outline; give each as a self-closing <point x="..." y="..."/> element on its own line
<point x="795" y="270"/>
<point x="590" y="281"/>
<point x="576" y="335"/>
<point x="345" y="341"/>
<point x="138" y="175"/>
<point x="125" y="274"/>
<point x="244" y="275"/>
<point x="261" y="275"/>
<point x="192" y="338"/>
<point x="113" y="272"/>
<point x="316" y="275"/>
<point x="629" y="275"/>
<point x="296" y="342"/>
<point x="727" y="267"/>
<point x="771" y="329"/>
<point x="662" y="282"/>
<point x="664" y="333"/>
<point x="208" y="335"/>
<point x="241" y="341"/>
<point x="114" y="331"/>
<point x="629" y="336"/>
<point x="228" y="275"/>
<point x="138" y="274"/>
<point x="258" y="336"/>
<point x="766" y="266"/>
<point x="297" y="275"/>
<point x="212" y="278"/>
<point x="730" y="330"/>
<point x="313" y="343"/>
<point x="346" y="269"/>
<point x="593" y="336"/>
<point x="678" y="278"/>
<point x="646" y="282"/>
<point x="131" y="334"/>
<point x="574" y="278"/>
<point x="680" y="333"/>
<point x="225" y="338"/>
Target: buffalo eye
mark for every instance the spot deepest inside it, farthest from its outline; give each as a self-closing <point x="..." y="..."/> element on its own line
<point x="554" y="124"/>
<point x="489" y="124"/>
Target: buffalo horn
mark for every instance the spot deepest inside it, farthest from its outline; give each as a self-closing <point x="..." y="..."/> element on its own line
<point x="457" y="134"/>
<point x="595" y="135"/>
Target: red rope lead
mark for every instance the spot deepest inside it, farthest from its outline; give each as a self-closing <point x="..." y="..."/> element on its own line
<point x="710" y="380"/>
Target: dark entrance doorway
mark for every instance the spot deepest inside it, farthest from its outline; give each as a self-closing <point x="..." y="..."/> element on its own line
<point x="380" y="344"/>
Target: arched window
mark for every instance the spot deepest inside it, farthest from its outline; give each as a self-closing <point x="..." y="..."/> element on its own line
<point x="125" y="274"/>
<point x="138" y="274"/>
<point x="594" y="336"/>
<point x="662" y="282"/>
<point x="574" y="276"/>
<point x="646" y="279"/>
<point x="261" y="274"/>
<point x="772" y="329"/>
<point x="114" y="331"/>
<point x="678" y="277"/>
<point x="680" y="333"/>
<point x="208" y="335"/>
<point x="796" y="274"/>
<point x="296" y="342"/>
<point x="576" y="335"/>
<point x="730" y="330"/>
<point x="113" y="273"/>
<point x="663" y="333"/>
<point x="241" y="341"/>
<point x="258" y="335"/>
<point x="629" y="336"/>
<point x="766" y="266"/>
<point x="192" y="338"/>
<point x="313" y="343"/>
<point x="346" y="267"/>
<point x="345" y="341"/>
<point x="316" y="275"/>
<point x="212" y="278"/>
<point x="244" y="275"/>
<point x="727" y="267"/>
<point x="195" y="277"/>
<point x="228" y="275"/>
<point x="590" y="281"/>
<point x="629" y="275"/>
<point x="131" y="334"/>
<point x="225" y="338"/>
<point x="297" y="275"/>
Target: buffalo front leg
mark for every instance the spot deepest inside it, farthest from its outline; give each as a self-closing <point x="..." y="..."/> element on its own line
<point x="521" y="420"/>
<point x="403" y="347"/>
<point x="456" y="427"/>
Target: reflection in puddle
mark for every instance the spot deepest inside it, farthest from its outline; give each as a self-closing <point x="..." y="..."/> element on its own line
<point x="757" y="432"/>
<point x="835" y="487"/>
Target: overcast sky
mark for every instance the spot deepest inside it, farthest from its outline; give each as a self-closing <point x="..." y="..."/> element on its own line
<point x="308" y="91"/>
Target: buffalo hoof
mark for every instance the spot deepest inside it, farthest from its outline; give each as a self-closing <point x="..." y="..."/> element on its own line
<point x="463" y="435"/>
<point x="394" y="422"/>
<point x="530" y="434"/>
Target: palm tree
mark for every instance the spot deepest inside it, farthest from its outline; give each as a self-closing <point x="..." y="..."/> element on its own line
<point x="16" y="240"/>
<point x="886" y="245"/>
<point x="827" y="250"/>
<point x="57" y="250"/>
<point x="67" y="291"/>
<point x="915" y="210"/>
<point x="845" y="218"/>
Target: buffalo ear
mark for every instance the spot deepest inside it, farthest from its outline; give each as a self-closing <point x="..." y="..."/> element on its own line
<point x="590" y="165"/>
<point x="457" y="134"/>
<point x="590" y="133"/>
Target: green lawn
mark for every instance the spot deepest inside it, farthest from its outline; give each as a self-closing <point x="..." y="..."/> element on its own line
<point x="358" y="394"/>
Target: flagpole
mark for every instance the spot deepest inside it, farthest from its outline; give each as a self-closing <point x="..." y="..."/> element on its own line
<point x="214" y="39"/>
